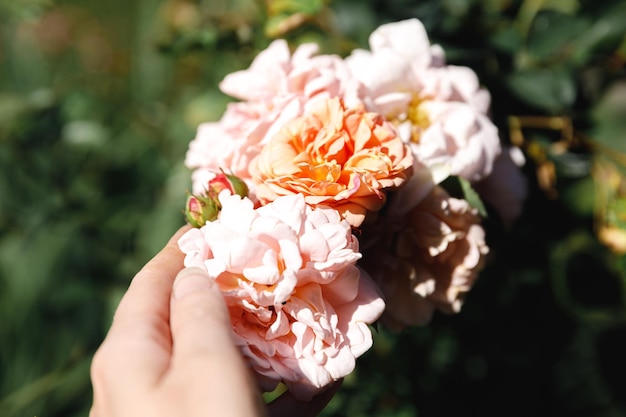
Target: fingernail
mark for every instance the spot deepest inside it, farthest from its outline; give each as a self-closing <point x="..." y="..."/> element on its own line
<point x="190" y="280"/>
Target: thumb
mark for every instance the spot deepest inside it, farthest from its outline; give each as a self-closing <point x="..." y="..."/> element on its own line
<point x="199" y="320"/>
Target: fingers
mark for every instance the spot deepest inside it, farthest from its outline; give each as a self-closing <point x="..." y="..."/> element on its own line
<point x="205" y="359"/>
<point x="138" y="344"/>
<point x="287" y="405"/>
<point x="199" y="318"/>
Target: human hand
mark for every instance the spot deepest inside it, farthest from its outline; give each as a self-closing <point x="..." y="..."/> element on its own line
<point x="170" y="352"/>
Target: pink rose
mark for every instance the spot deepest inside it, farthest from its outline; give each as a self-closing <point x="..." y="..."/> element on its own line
<point x="228" y="144"/>
<point x="402" y="60"/>
<point x="505" y="189"/>
<point x="428" y="260"/>
<point x="456" y="136"/>
<point x="275" y="76"/>
<point x="397" y="52"/>
<point x="440" y="110"/>
<point x="455" y="83"/>
<point x="299" y="306"/>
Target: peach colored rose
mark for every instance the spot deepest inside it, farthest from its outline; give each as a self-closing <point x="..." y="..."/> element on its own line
<point x="277" y="88"/>
<point x="299" y="306"/>
<point x="428" y="260"/>
<point x="342" y="157"/>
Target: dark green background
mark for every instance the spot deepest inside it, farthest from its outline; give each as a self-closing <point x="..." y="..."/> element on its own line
<point x="98" y="103"/>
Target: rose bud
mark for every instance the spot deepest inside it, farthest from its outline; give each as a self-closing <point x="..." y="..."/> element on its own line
<point x="200" y="209"/>
<point x="227" y="182"/>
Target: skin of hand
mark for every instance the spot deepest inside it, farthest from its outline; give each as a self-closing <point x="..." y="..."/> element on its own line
<point x="170" y="352"/>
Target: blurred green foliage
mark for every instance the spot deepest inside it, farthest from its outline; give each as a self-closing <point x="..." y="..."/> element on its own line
<point x="99" y="100"/>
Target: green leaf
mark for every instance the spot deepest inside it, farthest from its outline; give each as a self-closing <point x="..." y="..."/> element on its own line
<point x="530" y="8"/>
<point x="552" y="34"/>
<point x="578" y="196"/>
<point x="617" y="212"/>
<point x="603" y="36"/>
<point x="461" y="188"/>
<point x="472" y="197"/>
<point x="309" y="7"/>
<point x="507" y="40"/>
<point x="609" y="116"/>
<point x="552" y="90"/>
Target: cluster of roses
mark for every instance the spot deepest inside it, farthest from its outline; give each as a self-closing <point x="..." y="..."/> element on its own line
<point x="320" y="150"/>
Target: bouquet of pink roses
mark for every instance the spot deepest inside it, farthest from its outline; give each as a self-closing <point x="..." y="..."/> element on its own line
<point x="320" y="203"/>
